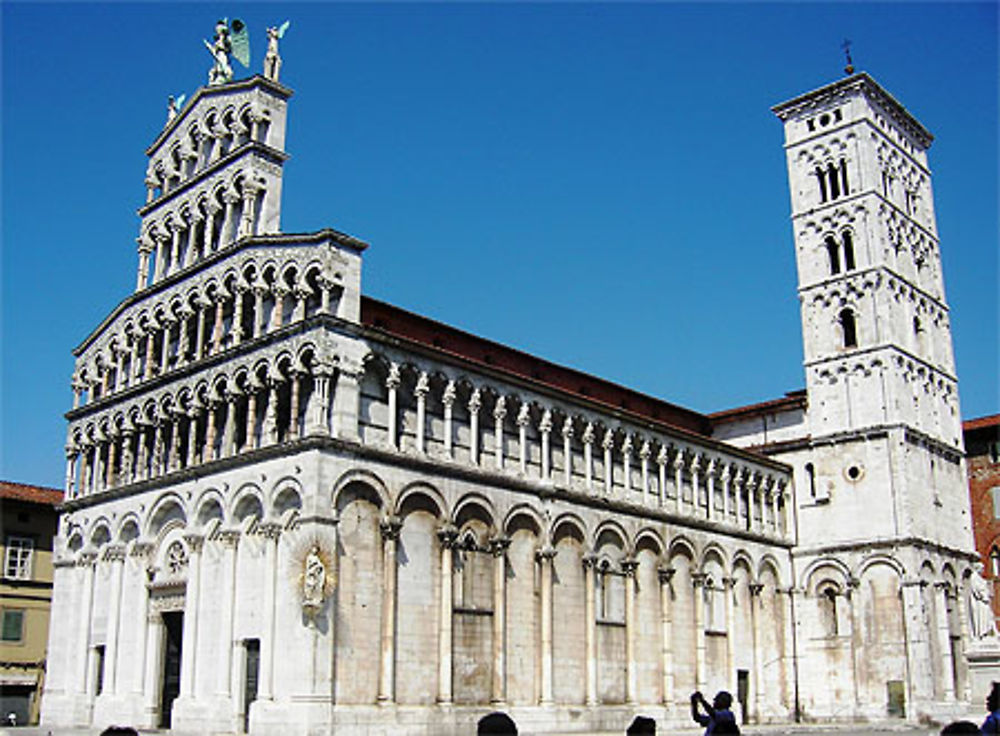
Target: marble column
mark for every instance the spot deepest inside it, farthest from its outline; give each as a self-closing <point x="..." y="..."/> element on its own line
<point x="644" y="452"/>
<point x="664" y="575"/>
<point x="567" y="433"/>
<point x="420" y="392"/>
<point x="590" y="627"/>
<point x="757" y="685"/>
<point x="448" y="401"/>
<point x="86" y="563"/>
<point x="446" y="537"/>
<point x="523" y="419"/>
<point x="627" y="467"/>
<point x="588" y="456"/>
<point x="115" y="555"/>
<point x="499" y="412"/>
<point x="729" y="591"/>
<point x="661" y="464"/>
<point x="390" y="529"/>
<point x="545" y="429"/>
<point x="943" y="627"/>
<point x="710" y="472"/>
<point x="679" y="480"/>
<point x="295" y="377"/>
<point x="229" y="426"/>
<point x="392" y="381"/>
<point x="268" y="651"/>
<point x="545" y="557"/>
<point x="498" y="548"/>
<point x="226" y="591"/>
<point x="475" y="403"/>
<point x="631" y="676"/>
<point x="698" y="581"/>
<point x="142" y="275"/>
<point x="269" y="431"/>
<point x="608" y="443"/>
<point x="192" y="606"/>
<point x="140" y="560"/>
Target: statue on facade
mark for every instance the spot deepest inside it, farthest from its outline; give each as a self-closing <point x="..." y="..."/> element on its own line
<point x="174" y="106"/>
<point x="982" y="623"/>
<point x="272" y="61"/>
<point x="230" y="38"/>
<point x="313" y="582"/>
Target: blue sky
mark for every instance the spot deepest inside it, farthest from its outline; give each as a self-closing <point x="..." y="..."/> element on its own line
<point x="600" y="184"/>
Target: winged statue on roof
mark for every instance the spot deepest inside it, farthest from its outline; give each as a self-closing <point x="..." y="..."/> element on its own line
<point x="272" y="61"/>
<point x="230" y="38"/>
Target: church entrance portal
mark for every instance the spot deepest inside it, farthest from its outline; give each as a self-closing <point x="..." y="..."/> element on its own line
<point x="173" y="624"/>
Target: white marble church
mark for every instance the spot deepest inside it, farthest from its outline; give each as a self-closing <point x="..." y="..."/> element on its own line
<point x="294" y="509"/>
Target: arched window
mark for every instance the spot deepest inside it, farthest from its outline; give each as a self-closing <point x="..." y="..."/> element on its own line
<point x="828" y="611"/>
<point x="995" y="562"/>
<point x="811" y="474"/>
<point x="849" y="328"/>
<point x="843" y="177"/>
<point x="848" y="251"/>
<point x="831" y="250"/>
<point x="821" y="178"/>
<point x="834" y="181"/>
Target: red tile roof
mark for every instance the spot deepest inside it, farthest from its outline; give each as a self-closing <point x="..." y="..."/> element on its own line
<point x="989" y="421"/>
<point x="452" y="342"/>
<point x="791" y="400"/>
<point x="30" y="494"/>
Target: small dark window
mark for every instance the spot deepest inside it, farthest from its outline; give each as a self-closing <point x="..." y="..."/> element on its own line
<point x="100" y="669"/>
<point x="811" y="472"/>
<point x="847" y="324"/>
<point x="917" y="327"/>
<point x="854" y="472"/>
<point x="837" y="116"/>
<point x="843" y="177"/>
<point x="834" y="181"/>
<point x="848" y="251"/>
<point x="995" y="562"/>
<point x="824" y="119"/>
<point x="831" y="249"/>
<point x="821" y="178"/>
<point x="810" y="124"/>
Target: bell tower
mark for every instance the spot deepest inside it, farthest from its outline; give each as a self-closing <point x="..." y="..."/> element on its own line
<point x="875" y="322"/>
<point x="883" y="414"/>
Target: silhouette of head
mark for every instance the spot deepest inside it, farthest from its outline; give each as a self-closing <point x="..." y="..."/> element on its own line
<point x="722" y="700"/>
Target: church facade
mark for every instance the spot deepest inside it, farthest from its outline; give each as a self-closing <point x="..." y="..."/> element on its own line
<point x="292" y="508"/>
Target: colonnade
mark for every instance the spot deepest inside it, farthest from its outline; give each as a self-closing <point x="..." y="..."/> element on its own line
<point x="683" y="479"/>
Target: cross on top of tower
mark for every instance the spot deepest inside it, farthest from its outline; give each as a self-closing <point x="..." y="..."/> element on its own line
<point x="846" y="46"/>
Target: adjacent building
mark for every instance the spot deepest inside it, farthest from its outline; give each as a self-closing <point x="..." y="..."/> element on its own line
<point x="292" y="508"/>
<point x="28" y="519"/>
<point x="982" y="445"/>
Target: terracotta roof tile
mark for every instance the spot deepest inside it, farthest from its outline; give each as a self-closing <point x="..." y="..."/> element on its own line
<point x="31" y="494"/>
<point x="988" y="421"/>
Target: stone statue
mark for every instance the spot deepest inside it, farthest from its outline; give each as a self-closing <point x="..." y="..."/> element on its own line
<point x="982" y="623"/>
<point x="230" y="38"/>
<point x="272" y="61"/>
<point x="313" y="581"/>
<point x="220" y="48"/>
<point x="174" y="105"/>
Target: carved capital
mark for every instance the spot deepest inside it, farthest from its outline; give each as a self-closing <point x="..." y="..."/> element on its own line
<point x="390" y="527"/>
<point x="523" y="416"/>
<point x="665" y="574"/>
<point x="756" y="589"/>
<point x="194" y="542"/>
<point x="545" y="554"/>
<point x="270" y="530"/>
<point x="499" y="546"/>
<point x="141" y="549"/>
<point x="589" y="561"/>
<point x="447" y="535"/>
<point x="629" y="566"/>
<point x="448" y="397"/>
<point x="699" y="580"/>
<point x="114" y="552"/>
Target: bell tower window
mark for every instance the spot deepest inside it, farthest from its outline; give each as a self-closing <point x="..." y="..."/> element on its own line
<point x="848" y="251"/>
<point x="834" y="181"/>
<point x="821" y="178"/>
<point x="831" y="250"/>
<point x="849" y="328"/>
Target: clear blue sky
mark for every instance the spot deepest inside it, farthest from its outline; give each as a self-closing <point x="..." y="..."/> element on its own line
<point x="602" y="185"/>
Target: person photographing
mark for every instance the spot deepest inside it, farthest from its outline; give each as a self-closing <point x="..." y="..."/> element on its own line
<point x="717" y="718"/>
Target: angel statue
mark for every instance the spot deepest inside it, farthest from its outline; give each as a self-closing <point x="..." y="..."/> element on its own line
<point x="230" y="38"/>
<point x="174" y="105"/>
<point x="313" y="582"/>
<point x="272" y="61"/>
